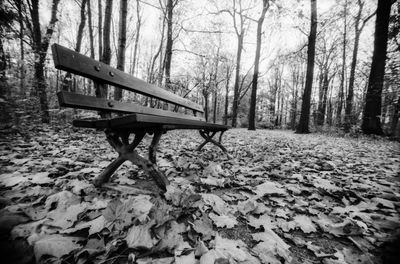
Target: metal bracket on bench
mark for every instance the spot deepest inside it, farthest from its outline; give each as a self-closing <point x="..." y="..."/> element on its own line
<point x="208" y="137"/>
<point x="126" y="151"/>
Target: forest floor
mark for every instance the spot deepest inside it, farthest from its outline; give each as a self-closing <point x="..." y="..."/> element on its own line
<point x="277" y="197"/>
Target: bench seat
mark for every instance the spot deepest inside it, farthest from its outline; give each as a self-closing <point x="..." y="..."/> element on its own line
<point x="141" y="121"/>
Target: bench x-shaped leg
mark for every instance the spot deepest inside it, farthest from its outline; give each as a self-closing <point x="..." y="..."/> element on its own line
<point x="208" y="137"/>
<point x="126" y="151"/>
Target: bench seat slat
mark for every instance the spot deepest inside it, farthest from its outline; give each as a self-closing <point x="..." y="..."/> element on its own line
<point x="74" y="62"/>
<point x="135" y="121"/>
<point x="68" y="99"/>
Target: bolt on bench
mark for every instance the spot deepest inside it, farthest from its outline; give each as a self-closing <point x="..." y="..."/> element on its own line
<point x="138" y="120"/>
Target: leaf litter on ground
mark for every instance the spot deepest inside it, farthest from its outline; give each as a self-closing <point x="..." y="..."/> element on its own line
<point x="277" y="197"/>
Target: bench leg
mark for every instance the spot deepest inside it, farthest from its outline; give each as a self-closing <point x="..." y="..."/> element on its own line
<point x="150" y="168"/>
<point x="208" y="137"/>
<point x="126" y="151"/>
<point x="154" y="146"/>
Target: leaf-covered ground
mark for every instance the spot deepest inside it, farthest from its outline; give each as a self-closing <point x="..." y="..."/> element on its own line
<point x="277" y="197"/>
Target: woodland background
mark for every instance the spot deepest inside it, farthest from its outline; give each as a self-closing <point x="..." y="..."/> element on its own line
<point x="245" y="61"/>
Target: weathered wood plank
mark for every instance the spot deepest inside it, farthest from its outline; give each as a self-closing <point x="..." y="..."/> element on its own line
<point x="159" y="120"/>
<point x="74" y="100"/>
<point x="74" y="62"/>
<point x="148" y="122"/>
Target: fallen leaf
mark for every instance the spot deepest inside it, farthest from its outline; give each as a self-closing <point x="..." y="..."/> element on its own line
<point x="140" y="237"/>
<point x="305" y="223"/>
<point x="272" y="244"/>
<point x="55" y="245"/>
<point x="264" y="220"/>
<point x="269" y="188"/>
<point x="227" y="221"/>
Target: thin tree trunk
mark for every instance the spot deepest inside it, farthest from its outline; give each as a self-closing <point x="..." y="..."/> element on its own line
<point x="322" y="99"/>
<point x="371" y="123"/>
<point x="168" y="47"/>
<point x="215" y="85"/>
<point x="138" y="27"/>
<point x="206" y="107"/>
<point x="226" y="96"/>
<point x="91" y="40"/>
<point x="341" y="87"/>
<point x="3" y="68"/>
<point x="41" y="46"/>
<point x="305" y="107"/>
<point x="121" y="44"/>
<point x="348" y="117"/>
<point x="102" y="89"/>
<point x="67" y="83"/>
<point x="253" y="97"/>
<point x="100" y="28"/>
<point x="215" y="106"/>
<point x="22" y="51"/>
<point x="235" y="104"/>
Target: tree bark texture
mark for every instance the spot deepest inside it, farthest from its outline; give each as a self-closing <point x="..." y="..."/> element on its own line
<point x="137" y="37"/>
<point x="168" y="47"/>
<point x="100" y="28"/>
<point x="40" y="46"/>
<point x="343" y="74"/>
<point x="305" y="107"/>
<point x="102" y="89"/>
<point x="90" y="22"/>
<point x="371" y="123"/>
<point x="121" y="44"/>
<point x="67" y="83"/>
<point x="91" y="41"/>
<point x="228" y="77"/>
<point x="348" y="116"/>
<point x="235" y="104"/>
<point x="22" y="51"/>
<point x="253" y="97"/>
<point x="322" y="98"/>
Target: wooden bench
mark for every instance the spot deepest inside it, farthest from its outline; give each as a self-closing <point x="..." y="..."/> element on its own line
<point x="136" y="119"/>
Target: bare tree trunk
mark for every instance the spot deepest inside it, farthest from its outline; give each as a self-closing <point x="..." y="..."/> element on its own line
<point x="168" y="47"/>
<point x="100" y="29"/>
<point x="235" y="104"/>
<point x="322" y="98"/>
<point x="343" y="74"/>
<point x="137" y="37"/>
<point x="3" y="68"/>
<point x="102" y="89"/>
<point x="253" y="97"/>
<point x="348" y="117"/>
<point x="293" y="111"/>
<point x="371" y="123"/>
<point x="215" y="84"/>
<point x="206" y="107"/>
<point x="215" y="106"/>
<point x="305" y="107"/>
<point x="91" y="41"/>
<point x="41" y="46"/>
<point x="67" y="83"/>
<point x="22" y="51"/>
<point x="121" y="44"/>
<point x="228" y="77"/>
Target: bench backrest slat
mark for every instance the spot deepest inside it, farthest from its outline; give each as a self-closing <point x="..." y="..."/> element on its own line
<point x="68" y="99"/>
<point x="74" y="62"/>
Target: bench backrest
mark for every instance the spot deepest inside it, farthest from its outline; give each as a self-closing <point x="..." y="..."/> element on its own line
<point x="74" y="62"/>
